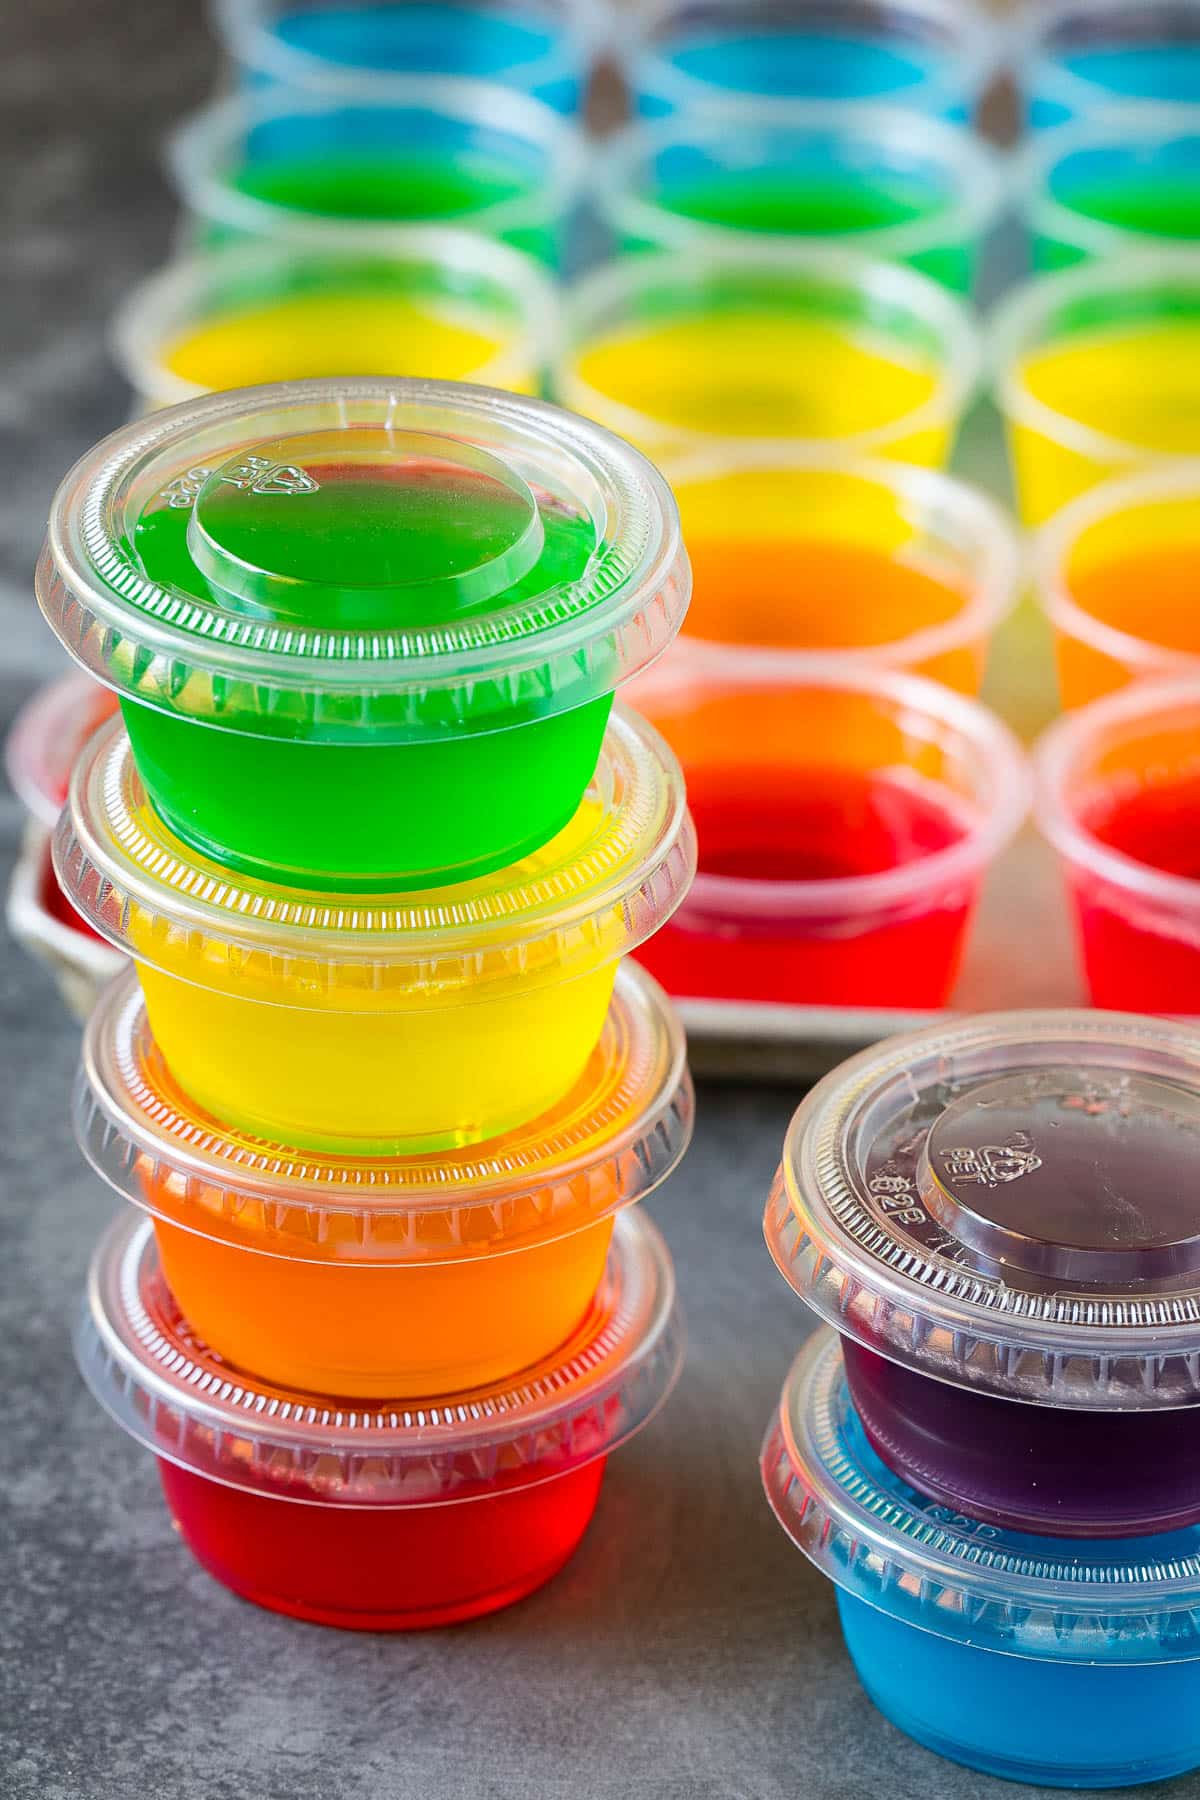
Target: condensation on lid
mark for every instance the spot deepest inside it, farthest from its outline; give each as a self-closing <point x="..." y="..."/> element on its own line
<point x="177" y="1398"/>
<point x="1008" y="1203"/>
<point x="603" y="885"/>
<point x="608" y="1143"/>
<point x="1086" y="1601"/>
<point x="321" y="559"/>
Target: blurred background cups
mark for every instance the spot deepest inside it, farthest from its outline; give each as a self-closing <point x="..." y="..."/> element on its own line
<point x="439" y="303"/>
<point x="1097" y="372"/>
<point x="817" y="346"/>
<point x="1127" y="181"/>
<point x="892" y="183"/>
<point x="875" y="564"/>
<point x="845" y="820"/>
<point x="540" y="47"/>
<point x="936" y="56"/>
<point x="1076" y="57"/>
<point x="1116" y="576"/>
<point x="1119" y="798"/>
<point x="350" y="165"/>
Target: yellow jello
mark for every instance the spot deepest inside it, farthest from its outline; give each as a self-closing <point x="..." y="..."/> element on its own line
<point x="405" y="1022"/>
<point x="679" y="350"/>
<point x="441" y="304"/>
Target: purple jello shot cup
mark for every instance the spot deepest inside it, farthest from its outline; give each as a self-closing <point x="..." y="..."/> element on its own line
<point x="1000" y="1217"/>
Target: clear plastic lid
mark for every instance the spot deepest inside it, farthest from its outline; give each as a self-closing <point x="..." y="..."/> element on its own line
<point x="608" y="881"/>
<point x="610" y="1141"/>
<point x="47" y="735"/>
<point x="1116" y="1601"/>
<point x="176" y="1397"/>
<point x="1008" y="1203"/>
<point x="329" y="559"/>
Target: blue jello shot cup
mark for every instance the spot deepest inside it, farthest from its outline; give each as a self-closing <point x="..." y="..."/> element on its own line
<point x="541" y="47"/>
<point x="1078" y="58"/>
<point x="935" y="56"/>
<point x="1058" y="1662"/>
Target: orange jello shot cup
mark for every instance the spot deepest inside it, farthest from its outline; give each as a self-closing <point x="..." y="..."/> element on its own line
<point x="1116" y="576"/>
<point x="868" y="563"/>
<point x="371" y="1275"/>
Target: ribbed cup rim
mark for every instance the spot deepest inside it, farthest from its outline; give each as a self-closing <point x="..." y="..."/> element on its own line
<point x="514" y="661"/>
<point x="247" y="29"/>
<point x="610" y="1141"/>
<point x="581" y="902"/>
<point x="1061" y="1600"/>
<point x="174" y="1396"/>
<point x="927" y="1303"/>
<point x="197" y="149"/>
<point x="963" y="23"/>
<point x="614" y="289"/>
<point x="170" y="300"/>
<point x="969" y="170"/>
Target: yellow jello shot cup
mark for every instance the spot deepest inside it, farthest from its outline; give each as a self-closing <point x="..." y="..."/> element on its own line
<point x="439" y="303"/>
<point x="813" y="346"/>
<point x="421" y="1275"/>
<point x="417" y="1020"/>
<point x="1097" y="373"/>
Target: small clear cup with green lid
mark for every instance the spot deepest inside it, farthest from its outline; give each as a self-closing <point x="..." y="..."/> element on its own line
<point x="365" y="634"/>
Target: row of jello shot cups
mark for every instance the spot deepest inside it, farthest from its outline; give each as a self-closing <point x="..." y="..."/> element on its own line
<point x="379" y="1082"/>
<point x="990" y="1446"/>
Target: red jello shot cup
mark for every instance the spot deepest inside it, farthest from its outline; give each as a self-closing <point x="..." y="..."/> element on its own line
<point x="846" y="819"/>
<point x="1118" y="796"/>
<point x="370" y="1515"/>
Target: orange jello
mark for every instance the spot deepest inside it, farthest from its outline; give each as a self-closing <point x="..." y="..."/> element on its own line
<point x="374" y="1276"/>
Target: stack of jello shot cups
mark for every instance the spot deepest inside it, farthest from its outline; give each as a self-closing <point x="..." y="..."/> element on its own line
<point x="995" y="1451"/>
<point x="379" y="1085"/>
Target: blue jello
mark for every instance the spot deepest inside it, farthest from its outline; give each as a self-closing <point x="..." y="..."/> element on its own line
<point x="933" y="55"/>
<point x="1062" y="1662"/>
<point x="1083" y="56"/>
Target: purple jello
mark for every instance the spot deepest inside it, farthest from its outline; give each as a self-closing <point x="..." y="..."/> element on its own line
<point x="1002" y="1219"/>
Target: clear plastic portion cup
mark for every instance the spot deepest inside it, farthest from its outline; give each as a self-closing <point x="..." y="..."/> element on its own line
<point x="388" y="1025"/>
<point x="372" y="1275"/>
<point x="845" y="822"/>
<point x="47" y="735"/>
<point x="935" y="56"/>
<point x="539" y="47"/>
<point x="1115" y="577"/>
<point x="1097" y="372"/>
<point x="380" y="1515"/>
<point x="343" y="170"/>
<point x="365" y="633"/>
<point x="1127" y="181"/>
<point x="438" y="304"/>
<point x="892" y="184"/>
<point x="818" y="347"/>
<point x="870" y="563"/>
<point x="1077" y="58"/>
<point x="1118" y="796"/>
<point x="1073" y="1664"/>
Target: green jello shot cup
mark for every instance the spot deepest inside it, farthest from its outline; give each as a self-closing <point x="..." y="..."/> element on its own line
<point x="364" y="634"/>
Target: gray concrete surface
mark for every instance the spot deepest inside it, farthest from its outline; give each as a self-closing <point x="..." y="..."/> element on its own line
<point x="688" y="1653"/>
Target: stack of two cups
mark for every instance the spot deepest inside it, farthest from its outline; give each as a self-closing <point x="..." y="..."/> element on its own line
<point x="376" y="844"/>
<point x="998" y="1464"/>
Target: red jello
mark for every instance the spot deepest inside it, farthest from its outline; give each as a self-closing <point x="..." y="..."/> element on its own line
<point x="380" y="1516"/>
<point x="1119" y="797"/>
<point x="844" y="821"/>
